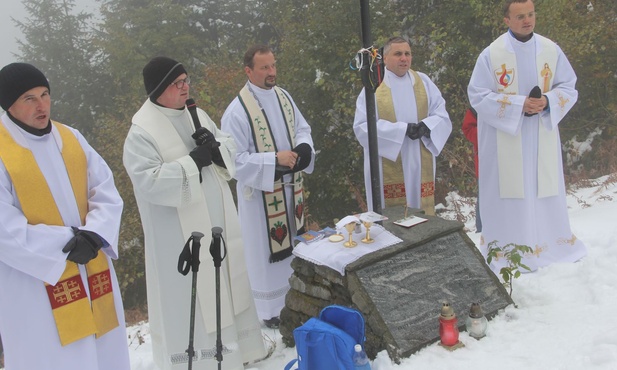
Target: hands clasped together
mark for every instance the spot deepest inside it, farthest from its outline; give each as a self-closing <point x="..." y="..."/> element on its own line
<point x="417" y="130"/>
<point x="83" y="247"/>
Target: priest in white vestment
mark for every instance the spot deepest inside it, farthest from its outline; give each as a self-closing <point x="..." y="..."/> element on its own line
<point x="412" y="129"/>
<point x="61" y="307"/>
<point x="179" y="169"/>
<point x="274" y="149"/>
<point x="521" y="173"/>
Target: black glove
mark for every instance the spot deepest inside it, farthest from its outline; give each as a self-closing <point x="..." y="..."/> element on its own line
<point x="534" y="93"/>
<point x="417" y="130"/>
<point x="303" y="160"/>
<point x="202" y="155"/>
<point x="83" y="247"/>
<point x="203" y="136"/>
<point x="217" y="158"/>
<point x="305" y="154"/>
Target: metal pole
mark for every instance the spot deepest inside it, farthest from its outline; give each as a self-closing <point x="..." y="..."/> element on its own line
<point x="189" y="260"/>
<point x="217" y="257"/>
<point x="371" y="116"/>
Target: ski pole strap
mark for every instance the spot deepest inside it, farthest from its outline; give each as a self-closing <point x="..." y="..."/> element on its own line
<point x="185" y="259"/>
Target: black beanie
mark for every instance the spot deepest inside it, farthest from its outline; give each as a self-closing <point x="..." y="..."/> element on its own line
<point x="16" y="79"/>
<point x="159" y="73"/>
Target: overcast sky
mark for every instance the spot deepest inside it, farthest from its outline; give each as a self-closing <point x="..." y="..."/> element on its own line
<point x="9" y="32"/>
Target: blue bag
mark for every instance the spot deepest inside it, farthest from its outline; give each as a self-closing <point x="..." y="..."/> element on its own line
<point x="327" y="342"/>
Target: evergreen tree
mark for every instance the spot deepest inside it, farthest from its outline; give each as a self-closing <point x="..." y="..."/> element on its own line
<point x="59" y="43"/>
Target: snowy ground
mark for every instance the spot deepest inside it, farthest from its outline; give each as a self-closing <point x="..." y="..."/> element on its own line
<point x="566" y="317"/>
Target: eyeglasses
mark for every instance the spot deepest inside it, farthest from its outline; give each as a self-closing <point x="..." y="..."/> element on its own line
<point x="530" y="15"/>
<point x="180" y="83"/>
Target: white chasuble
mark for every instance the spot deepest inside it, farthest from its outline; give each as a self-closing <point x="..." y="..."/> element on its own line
<point x="173" y="203"/>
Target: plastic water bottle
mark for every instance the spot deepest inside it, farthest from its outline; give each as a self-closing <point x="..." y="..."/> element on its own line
<point x="360" y="360"/>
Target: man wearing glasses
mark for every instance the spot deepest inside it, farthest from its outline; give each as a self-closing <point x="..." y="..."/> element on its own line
<point x="522" y="87"/>
<point x="179" y="164"/>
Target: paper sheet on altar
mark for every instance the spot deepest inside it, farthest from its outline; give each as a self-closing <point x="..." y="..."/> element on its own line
<point x="336" y="256"/>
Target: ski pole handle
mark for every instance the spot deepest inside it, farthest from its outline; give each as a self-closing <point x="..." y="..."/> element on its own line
<point x="196" y="235"/>
<point x="190" y="259"/>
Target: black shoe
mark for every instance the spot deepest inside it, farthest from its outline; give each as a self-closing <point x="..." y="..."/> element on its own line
<point x="273" y="323"/>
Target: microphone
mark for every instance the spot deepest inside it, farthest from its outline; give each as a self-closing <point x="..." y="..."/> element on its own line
<point x="192" y="107"/>
<point x="201" y="138"/>
<point x="534" y="93"/>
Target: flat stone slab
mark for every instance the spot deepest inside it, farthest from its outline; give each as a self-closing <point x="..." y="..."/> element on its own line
<point x="400" y="289"/>
<point x="408" y="289"/>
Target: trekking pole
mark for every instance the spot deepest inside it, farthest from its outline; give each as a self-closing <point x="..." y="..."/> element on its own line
<point x="218" y="257"/>
<point x="189" y="260"/>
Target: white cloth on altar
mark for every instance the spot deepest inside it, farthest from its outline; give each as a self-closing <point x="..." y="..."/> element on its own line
<point x="392" y="140"/>
<point x="164" y="190"/>
<point x="255" y="174"/>
<point x="336" y="256"/>
<point x="540" y="223"/>
<point x="31" y="255"/>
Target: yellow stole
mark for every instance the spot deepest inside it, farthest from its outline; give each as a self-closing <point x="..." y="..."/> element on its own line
<point x="393" y="178"/>
<point x="280" y="241"/>
<point x="75" y="319"/>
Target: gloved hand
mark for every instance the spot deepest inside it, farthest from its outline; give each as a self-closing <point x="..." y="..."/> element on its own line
<point x="202" y="155"/>
<point x="217" y="157"/>
<point x="536" y="92"/>
<point x="417" y="130"/>
<point x="83" y="247"/>
<point x="303" y="160"/>
<point x="203" y="136"/>
<point x="304" y="152"/>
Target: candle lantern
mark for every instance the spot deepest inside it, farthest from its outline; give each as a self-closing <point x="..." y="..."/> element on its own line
<point x="476" y="323"/>
<point x="448" y="331"/>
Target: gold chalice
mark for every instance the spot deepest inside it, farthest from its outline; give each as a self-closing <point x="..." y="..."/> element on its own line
<point x="350" y="228"/>
<point x="367" y="239"/>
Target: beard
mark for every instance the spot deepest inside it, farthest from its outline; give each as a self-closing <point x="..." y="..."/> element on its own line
<point x="267" y="82"/>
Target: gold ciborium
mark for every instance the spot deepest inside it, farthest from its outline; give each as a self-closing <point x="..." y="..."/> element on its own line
<point x="367" y="239"/>
<point x="350" y="228"/>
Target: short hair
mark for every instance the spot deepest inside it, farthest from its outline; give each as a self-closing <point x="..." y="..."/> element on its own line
<point x="255" y="49"/>
<point x="506" y="6"/>
<point x="393" y="40"/>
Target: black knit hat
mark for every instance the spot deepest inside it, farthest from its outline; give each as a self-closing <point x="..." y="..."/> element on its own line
<point x="16" y="79"/>
<point x="159" y="73"/>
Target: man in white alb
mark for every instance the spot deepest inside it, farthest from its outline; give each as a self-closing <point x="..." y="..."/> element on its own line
<point x="60" y="302"/>
<point x="522" y="87"/>
<point x="412" y="129"/>
<point x="179" y="164"/>
<point x="274" y="149"/>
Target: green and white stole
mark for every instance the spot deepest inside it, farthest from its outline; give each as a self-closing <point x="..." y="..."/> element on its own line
<point x="278" y="222"/>
<point x="509" y="147"/>
<point x="393" y="178"/>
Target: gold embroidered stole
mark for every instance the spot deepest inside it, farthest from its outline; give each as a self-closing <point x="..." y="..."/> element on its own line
<point x="510" y="147"/>
<point x="280" y="240"/>
<point x="75" y="318"/>
<point x="393" y="177"/>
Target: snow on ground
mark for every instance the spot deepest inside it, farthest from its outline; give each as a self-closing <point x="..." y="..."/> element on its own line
<point x="566" y="317"/>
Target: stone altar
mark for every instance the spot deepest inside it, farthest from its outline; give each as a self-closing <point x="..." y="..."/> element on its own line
<point x="399" y="289"/>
